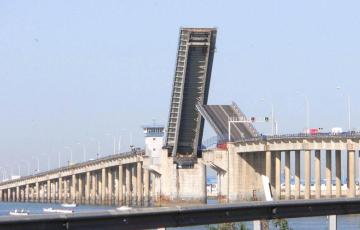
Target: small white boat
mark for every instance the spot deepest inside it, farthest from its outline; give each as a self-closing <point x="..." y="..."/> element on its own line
<point x="73" y="205"/>
<point x="123" y="208"/>
<point x="52" y="210"/>
<point x="17" y="212"/>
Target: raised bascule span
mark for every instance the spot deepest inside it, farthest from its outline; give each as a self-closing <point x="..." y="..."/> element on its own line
<point x="219" y="117"/>
<point x="191" y="86"/>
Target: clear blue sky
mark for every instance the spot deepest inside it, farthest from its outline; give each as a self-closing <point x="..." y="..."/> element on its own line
<point x="75" y="70"/>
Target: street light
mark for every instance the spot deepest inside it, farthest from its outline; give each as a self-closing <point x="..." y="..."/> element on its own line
<point x="71" y="154"/>
<point x="348" y="108"/>
<point x="84" y="150"/>
<point x="38" y="163"/>
<point x="273" y="122"/>
<point x="114" y="142"/>
<point x="307" y="110"/>
<point x="98" y="147"/>
<point x="27" y="166"/>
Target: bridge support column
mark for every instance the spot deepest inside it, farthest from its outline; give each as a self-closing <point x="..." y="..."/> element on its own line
<point x="93" y="187"/>
<point x="120" y="185"/>
<point x="146" y="186"/>
<point x="60" y="190"/>
<point x="37" y="194"/>
<point x="103" y="185"/>
<point x="297" y="175"/>
<point x="307" y="173"/>
<point x="351" y="175"/>
<point x="87" y="188"/>
<point x="139" y="183"/>
<point x="338" y="172"/>
<point x="287" y="175"/>
<point x="278" y="174"/>
<point x="268" y="164"/>
<point x="26" y="192"/>
<point x="133" y="183"/>
<point x="328" y="174"/>
<point x="17" y="194"/>
<point x="317" y="172"/>
<point x="80" y="189"/>
<point x="128" y="184"/>
<point x="73" y="188"/>
<point x="110" y="186"/>
<point x="9" y="195"/>
<point x="48" y="191"/>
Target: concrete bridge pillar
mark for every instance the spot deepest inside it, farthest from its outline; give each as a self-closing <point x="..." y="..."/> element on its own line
<point x="139" y="190"/>
<point x="307" y="163"/>
<point x="351" y="175"/>
<point x="268" y="164"/>
<point x="48" y="191"/>
<point x="87" y="188"/>
<point x="146" y="186"/>
<point x="278" y="174"/>
<point x="17" y="194"/>
<point x="297" y="175"/>
<point x="26" y="192"/>
<point x="93" y="187"/>
<point x="80" y="189"/>
<point x="73" y="188"/>
<point x="287" y="175"/>
<point x="338" y="172"/>
<point x="103" y="185"/>
<point x="328" y="174"/>
<point x="128" y="184"/>
<point x="60" y="191"/>
<point x="120" y="185"/>
<point x="317" y="172"/>
<point x="8" y="195"/>
<point x="37" y="192"/>
<point x="133" y="183"/>
<point x="65" y="189"/>
<point x="110" y="186"/>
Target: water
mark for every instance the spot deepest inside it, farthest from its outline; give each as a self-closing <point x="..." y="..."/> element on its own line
<point x="345" y="222"/>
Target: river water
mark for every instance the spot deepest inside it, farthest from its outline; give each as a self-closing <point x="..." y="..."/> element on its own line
<point x="346" y="222"/>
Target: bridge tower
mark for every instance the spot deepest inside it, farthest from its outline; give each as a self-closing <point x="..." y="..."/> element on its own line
<point x="191" y="86"/>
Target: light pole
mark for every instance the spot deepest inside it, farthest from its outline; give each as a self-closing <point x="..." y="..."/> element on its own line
<point x="84" y="150"/>
<point x="38" y="163"/>
<point x="273" y="122"/>
<point x="348" y="108"/>
<point x="59" y="164"/>
<point x="114" y="142"/>
<point x="307" y="110"/>
<point x="27" y="166"/>
<point x="98" y="147"/>
<point x="71" y="154"/>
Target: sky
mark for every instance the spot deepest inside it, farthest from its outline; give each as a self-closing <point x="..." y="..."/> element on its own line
<point x="75" y="74"/>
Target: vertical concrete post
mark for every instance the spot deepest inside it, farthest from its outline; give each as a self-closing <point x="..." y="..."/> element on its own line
<point x="146" y="186"/>
<point x="297" y="174"/>
<point x="37" y="199"/>
<point x="80" y="188"/>
<point x="287" y="175"/>
<point x="268" y="164"/>
<point x="278" y="174"/>
<point x="60" y="191"/>
<point x="48" y="190"/>
<point x="307" y="173"/>
<point x="351" y="176"/>
<point x="120" y="184"/>
<point x="103" y="185"/>
<point x="73" y="187"/>
<point x="87" y="188"/>
<point x="110" y="186"/>
<point x="133" y="183"/>
<point x="338" y="172"/>
<point x="328" y="174"/>
<point x="139" y="183"/>
<point x="332" y="222"/>
<point x="317" y="174"/>
<point x="1" y="195"/>
<point x="17" y="194"/>
<point x="93" y="186"/>
<point x="128" y="184"/>
<point x="65" y="189"/>
<point x="26" y="192"/>
<point x="9" y="195"/>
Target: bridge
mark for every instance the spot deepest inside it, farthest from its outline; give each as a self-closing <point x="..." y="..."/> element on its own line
<point x="177" y="170"/>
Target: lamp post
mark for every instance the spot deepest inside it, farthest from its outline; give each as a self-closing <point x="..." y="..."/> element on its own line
<point x="84" y="150"/>
<point x="348" y="108"/>
<point x="38" y="163"/>
<point x="27" y="166"/>
<point x="307" y="110"/>
<point x="71" y="154"/>
<point x="273" y="122"/>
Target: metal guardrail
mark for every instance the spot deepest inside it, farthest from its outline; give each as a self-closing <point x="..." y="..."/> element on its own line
<point x="136" y="151"/>
<point x="146" y="218"/>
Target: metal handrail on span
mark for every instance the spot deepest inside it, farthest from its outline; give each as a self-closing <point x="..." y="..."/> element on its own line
<point x="150" y="218"/>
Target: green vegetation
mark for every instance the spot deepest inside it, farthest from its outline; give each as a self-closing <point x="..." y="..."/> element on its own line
<point x="281" y="224"/>
<point x="228" y="226"/>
